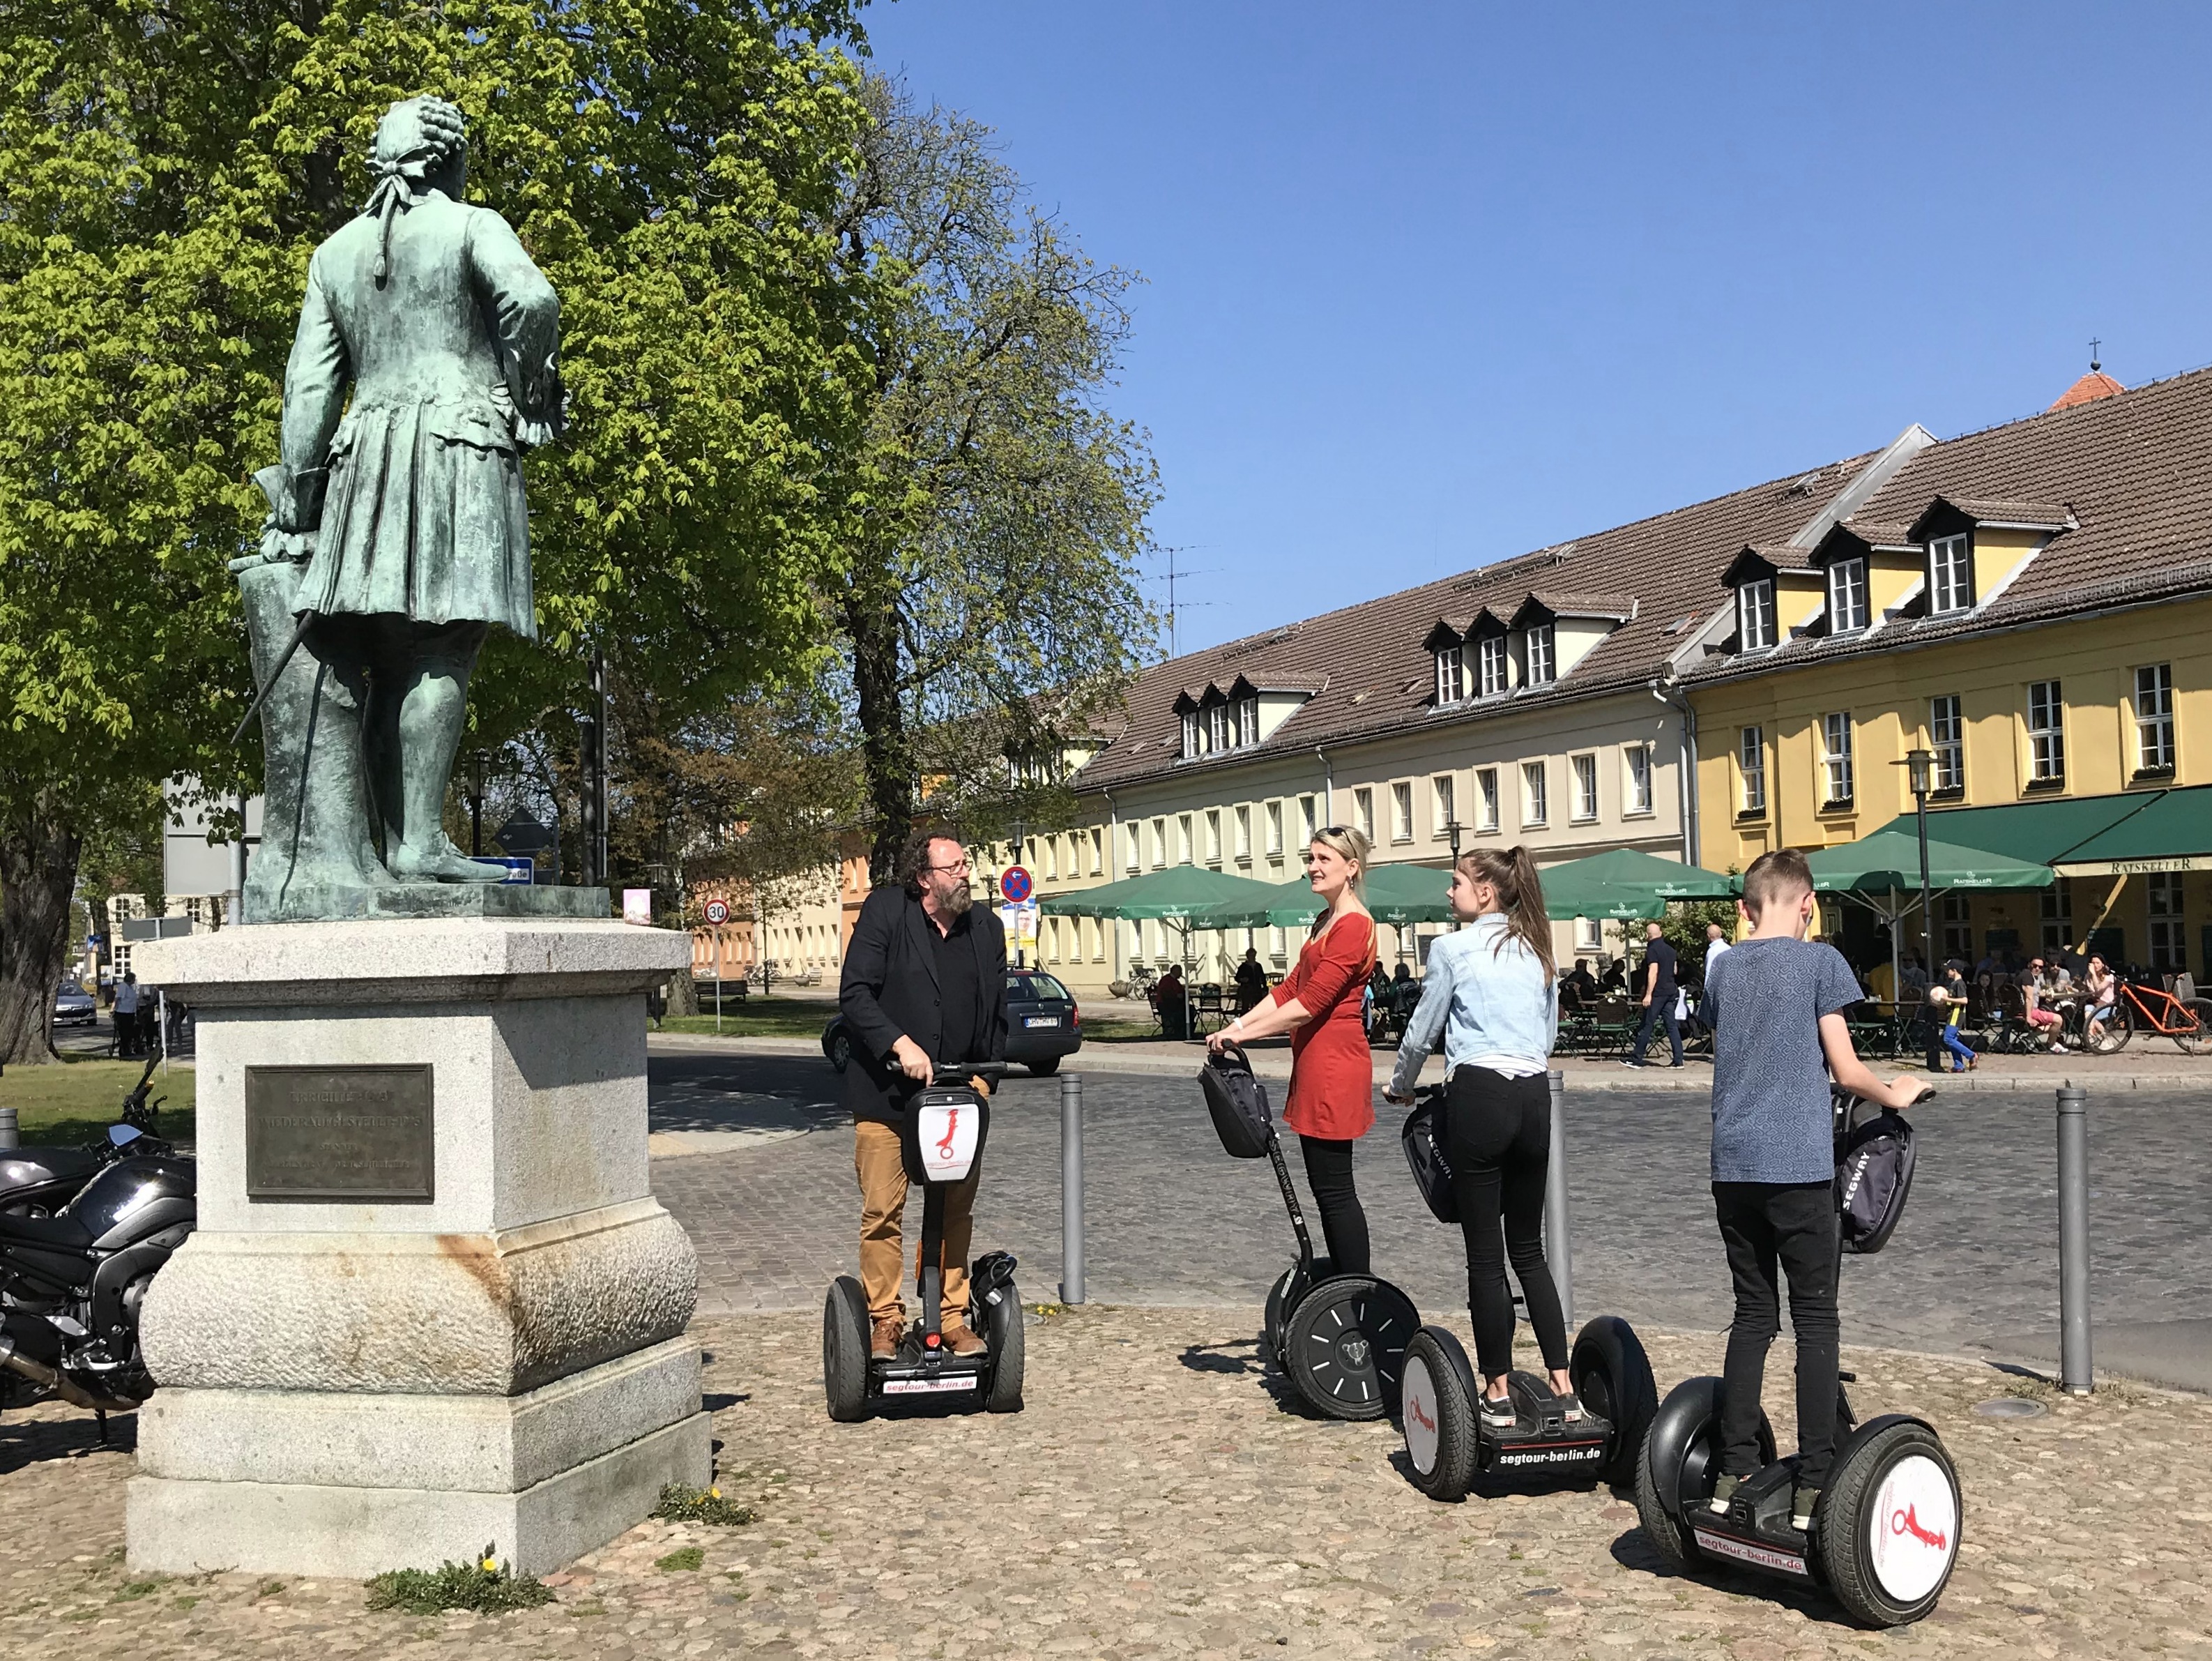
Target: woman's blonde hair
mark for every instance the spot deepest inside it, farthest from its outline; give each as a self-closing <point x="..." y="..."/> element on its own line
<point x="1348" y="843"/>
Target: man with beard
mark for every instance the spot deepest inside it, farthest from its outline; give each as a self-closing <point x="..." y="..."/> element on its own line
<point x="925" y="981"/>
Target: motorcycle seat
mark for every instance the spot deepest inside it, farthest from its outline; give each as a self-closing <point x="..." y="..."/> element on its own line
<point x="64" y="1231"/>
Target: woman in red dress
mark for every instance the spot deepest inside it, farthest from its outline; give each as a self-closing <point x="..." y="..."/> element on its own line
<point x="1332" y="1080"/>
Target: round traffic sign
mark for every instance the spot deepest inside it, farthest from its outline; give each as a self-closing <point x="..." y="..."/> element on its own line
<point x="1015" y="886"/>
<point x="718" y="912"/>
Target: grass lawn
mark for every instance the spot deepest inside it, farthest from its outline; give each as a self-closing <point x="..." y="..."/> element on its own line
<point x="761" y="1017"/>
<point x="75" y="1101"/>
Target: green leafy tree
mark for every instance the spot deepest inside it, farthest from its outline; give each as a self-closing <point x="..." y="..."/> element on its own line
<point x="988" y="604"/>
<point x="166" y="168"/>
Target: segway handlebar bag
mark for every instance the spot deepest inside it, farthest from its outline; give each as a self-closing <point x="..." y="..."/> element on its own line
<point x="1873" y="1174"/>
<point x="1422" y="1141"/>
<point x="1238" y="1104"/>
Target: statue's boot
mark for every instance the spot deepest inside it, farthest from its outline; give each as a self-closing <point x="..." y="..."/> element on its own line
<point x="440" y="862"/>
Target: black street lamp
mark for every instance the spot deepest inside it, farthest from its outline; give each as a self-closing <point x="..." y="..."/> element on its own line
<point x="1919" y="765"/>
<point x="1452" y="828"/>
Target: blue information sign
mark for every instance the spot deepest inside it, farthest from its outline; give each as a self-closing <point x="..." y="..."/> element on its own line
<point x="518" y="870"/>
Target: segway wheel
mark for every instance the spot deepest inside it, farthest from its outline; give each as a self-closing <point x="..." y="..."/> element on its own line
<point x="1292" y="1284"/>
<point x="1003" y="1330"/>
<point x="1437" y="1409"/>
<point x="1345" y="1347"/>
<point x="1613" y="1378"/>
<point x="1680" y="1462"/>
<point x="1888" y="1527"/>
<point x="845" y="1350"/>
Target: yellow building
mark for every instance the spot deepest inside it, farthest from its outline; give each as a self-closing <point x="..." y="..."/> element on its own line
<point x="2032" y="605"/>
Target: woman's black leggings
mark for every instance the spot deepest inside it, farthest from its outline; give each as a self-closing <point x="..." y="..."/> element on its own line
<point x="1498" y="1142"/>
<point x="1343" y="1223"/>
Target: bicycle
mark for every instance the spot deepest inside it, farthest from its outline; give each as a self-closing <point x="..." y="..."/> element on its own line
<point x="2188" y="1021"/>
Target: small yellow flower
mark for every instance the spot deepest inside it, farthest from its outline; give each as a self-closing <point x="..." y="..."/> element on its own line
<point x="490" y="1566"/>
<point x="714" y="1494"/>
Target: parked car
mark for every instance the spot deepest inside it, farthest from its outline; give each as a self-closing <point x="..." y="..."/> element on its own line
<point x="1043" y="1026"/>
<point x="73" y="1006"/>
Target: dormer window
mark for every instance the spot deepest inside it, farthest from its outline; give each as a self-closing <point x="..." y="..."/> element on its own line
<point x="1950" y="574"/>
<point x="1220" y="729"/>
<point x="1451" y="674"/>
<point x="1847" y="596"/>
<point x="1543" y="655"/>
<point x="1494" y="674"/>
<point x="1754" y="614"/>
<point x="1194" y="735"/>
<point x="1247" y="711"/>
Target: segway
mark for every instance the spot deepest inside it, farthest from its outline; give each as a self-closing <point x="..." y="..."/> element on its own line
<point x="941" y="1143"/>
<point x="1341" y="1338"/>
<point x="1885" y="1532"/>
<point x="1448" y="1446"/>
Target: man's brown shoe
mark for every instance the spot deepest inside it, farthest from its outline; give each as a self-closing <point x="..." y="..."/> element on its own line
<point x="884" y="1341"/>
<point x="962" y="1342"/>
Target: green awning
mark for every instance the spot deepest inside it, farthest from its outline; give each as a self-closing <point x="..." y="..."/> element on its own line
<point x="2040" y="831"/>
<point x="2170" y="832"/>
<point x="1624" y="883"/>
<point x="1888" y="862"/>
<point x="1397" y="894"/>
<point x="1175" y="893"/>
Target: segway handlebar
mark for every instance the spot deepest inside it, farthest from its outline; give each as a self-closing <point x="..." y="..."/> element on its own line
<point x="959" y="1073"/>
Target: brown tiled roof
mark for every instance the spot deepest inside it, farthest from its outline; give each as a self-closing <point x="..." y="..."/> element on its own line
<point x="1374" y="676"/>
<point x="1562" y="604"/>
<point x="2087" y="390"/>
<point x="1987" y="512"/>
<point x="2137" y="470"/>
<point x="1877" y="533"/>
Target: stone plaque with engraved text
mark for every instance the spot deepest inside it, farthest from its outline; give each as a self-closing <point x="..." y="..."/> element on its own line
<point x="339" y="1132"/>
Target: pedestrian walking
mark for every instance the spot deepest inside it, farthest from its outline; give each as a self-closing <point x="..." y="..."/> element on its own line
<point x="1331" y="1101"/>
<point x="1660" y="984"/>
<point x="126" y="1016"/>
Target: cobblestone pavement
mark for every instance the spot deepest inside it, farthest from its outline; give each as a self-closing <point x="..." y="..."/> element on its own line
<point x="1172" y="1220"/>
<point x="1154" y="1498"/>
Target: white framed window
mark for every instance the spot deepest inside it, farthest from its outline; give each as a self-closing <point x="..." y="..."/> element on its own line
<point x="1494" y="664"/>
<point x="1275" y="828"/>
<point x="1946" y="740"/>
<point x="1244" y="833"/>
<point x="1097" y="853"/>
<point x="1590" y="934"/>
<point x="1248" y="722"/>
<point x="1213" y="836"/>
<point x="1193" y="736"/>
<point x="1751" y="768"/>
<point x="1950" y="574"/>
<point x="1098" y="941"/>
<point x="1543" y="654"/>
<point x="2155" y="718"/>
<point x="1159" y="843"/>
<point x="1277" y="944"/>
<point x="2169" y="945"/>
<point x="2046" y="733"/>
<point x="1445" y="801"/>
<point x="1636" y="778"/>
<point x="1957" y="912"/>
<point x="1136" y="845"/>
<point x="1220" y="728"/>
<point x="1052" y="938"/>
<point x="1363" y="811"/>
<point x="1535" y="795"/>
<point x="1836" y="757"/>
<point x="1847" y="596"/>
<point x="1485" y="798"/>
<point x="1184" y="851"/>
<point x="2056" y="903"/>
<point x="1052" y="859"/>
<point x="1585" y="776"/>
<point x="1401" y="813"/>
<point x="1451" y="675"/>
<point x="1306" y="821"/>
<point x="1754" y="615"/>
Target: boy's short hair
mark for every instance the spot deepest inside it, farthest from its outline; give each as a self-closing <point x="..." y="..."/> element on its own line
<point x="1781" y="874"/>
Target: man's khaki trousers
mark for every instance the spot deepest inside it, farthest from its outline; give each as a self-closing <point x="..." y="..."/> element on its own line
<point x="882" y="1172"/>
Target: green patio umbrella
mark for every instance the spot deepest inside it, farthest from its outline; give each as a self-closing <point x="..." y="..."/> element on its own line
<point x="1177" y="894"/>
<point x="1395" y="894"/>
<point x="1888" y="861"/>
<point x="1623" y="885"/>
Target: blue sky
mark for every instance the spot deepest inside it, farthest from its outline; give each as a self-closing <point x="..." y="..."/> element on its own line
<point x="1427" y="286"/>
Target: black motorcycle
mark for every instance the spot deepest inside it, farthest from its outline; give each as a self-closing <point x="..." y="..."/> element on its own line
<point x="72" y="1280"/>
<point x="38" y="1181"/>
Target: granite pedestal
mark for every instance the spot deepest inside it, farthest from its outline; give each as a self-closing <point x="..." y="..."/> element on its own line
<point x="351" y="1383"/>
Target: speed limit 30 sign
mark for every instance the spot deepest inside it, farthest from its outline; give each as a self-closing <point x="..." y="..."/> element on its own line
<point x="718" y="912"/>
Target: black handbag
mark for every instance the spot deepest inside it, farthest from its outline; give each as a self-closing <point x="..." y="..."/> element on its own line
<point x="1238" y="1104"/>
<point x="1423" y="1139"/>
<point x="1873" y="1174"/>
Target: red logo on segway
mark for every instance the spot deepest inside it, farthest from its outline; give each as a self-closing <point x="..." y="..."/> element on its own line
<point x="1413" y="1408"/>
<point x="1908" y="1522"/>
<point x="951" y="1130"/>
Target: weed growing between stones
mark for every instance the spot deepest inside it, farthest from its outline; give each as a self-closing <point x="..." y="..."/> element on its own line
<point x="486" y="1586"/>
<point x="679" y="1504"/>
<point x="682" y="1560"/>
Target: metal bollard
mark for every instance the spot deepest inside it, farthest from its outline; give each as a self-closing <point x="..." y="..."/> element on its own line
<point x="1558" y="1237"/>
<point x="2074" y="1363"/>
<point x="10" y="1136"/>
<point x="1071" y="1189"/>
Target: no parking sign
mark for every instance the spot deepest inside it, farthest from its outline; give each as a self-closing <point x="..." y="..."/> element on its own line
<point x="1015" y="886"/>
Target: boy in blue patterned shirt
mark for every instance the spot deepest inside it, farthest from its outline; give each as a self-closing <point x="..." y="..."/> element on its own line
<point x="1776" y="1003"/>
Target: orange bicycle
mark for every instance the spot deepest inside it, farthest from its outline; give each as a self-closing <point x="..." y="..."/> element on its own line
<point x="2188" y="1022"/>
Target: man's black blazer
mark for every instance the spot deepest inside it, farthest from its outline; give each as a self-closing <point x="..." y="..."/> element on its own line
<point x="888" y="990"/>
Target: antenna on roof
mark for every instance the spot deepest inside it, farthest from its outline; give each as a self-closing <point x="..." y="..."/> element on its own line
<point x="2094" y="365"/>
<point x="1174" y="618"/>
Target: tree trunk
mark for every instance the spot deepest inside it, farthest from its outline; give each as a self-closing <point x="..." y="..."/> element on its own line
<point x="38" y="872"/>
<point x="683" y="993"/>
<point x="883" y="748"/>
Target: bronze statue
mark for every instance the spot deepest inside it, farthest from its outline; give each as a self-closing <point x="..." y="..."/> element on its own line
<point x="398" y="531"/>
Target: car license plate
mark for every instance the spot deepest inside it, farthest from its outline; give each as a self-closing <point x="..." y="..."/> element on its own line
<point x="1041" y="1020"/>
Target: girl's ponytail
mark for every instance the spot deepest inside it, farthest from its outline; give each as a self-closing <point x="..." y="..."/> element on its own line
<point x="1521" y="896"/>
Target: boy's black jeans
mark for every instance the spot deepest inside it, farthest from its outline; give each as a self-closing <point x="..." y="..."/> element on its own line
<point x="1791" y="1226"/>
